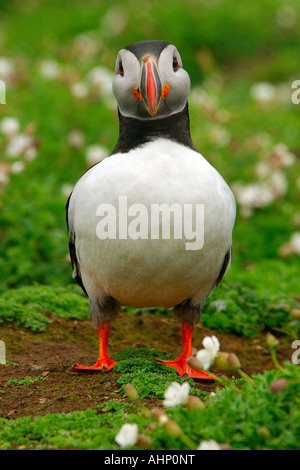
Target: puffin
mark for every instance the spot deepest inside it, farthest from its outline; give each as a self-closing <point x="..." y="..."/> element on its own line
<point x="150" y="225"/>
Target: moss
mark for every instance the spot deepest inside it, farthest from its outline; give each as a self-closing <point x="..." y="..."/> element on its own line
<point x="24" y="306"/>
<point x="26" y="381"/>
<point x="150" y="378"/>
<point x="236" y="308"/>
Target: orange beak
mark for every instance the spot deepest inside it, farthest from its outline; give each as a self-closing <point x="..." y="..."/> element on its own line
<point x="150" y="85"/>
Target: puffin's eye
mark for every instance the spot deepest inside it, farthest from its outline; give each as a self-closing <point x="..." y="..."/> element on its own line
<point x="120" y="68"/>
<point x="175" y="63"/>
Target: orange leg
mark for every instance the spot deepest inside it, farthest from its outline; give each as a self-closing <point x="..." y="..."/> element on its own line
<point x="104" y="362"/>
<point x="180" y="364"/>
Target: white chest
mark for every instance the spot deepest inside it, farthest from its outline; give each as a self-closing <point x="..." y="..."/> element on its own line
<point x="168" y="217"/>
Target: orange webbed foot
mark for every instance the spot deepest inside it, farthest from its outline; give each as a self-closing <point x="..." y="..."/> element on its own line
<point x="102" y="365"/>
<point x="184" y="370"/>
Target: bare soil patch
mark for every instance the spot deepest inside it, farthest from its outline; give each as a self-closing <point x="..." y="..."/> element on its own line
<point x="51" y="355"/>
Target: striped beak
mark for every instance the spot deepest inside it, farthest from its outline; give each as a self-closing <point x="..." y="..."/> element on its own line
<point x="150" y="85"/>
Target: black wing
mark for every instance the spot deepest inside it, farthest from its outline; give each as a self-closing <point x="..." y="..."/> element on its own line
<point x="225" y="266"/>
<point x="72" y="250"/>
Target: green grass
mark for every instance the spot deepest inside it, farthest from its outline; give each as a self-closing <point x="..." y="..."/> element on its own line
<point x="33" y="233"/>
<point x="27" y="306"/>
<point x="253" y="418"/>
<point x="238" y="309"/>
<point x="232" y="307"/>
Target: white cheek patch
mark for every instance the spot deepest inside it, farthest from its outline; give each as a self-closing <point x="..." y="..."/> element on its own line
<point x="179" y="81"/>
<point x="124" y="84"/>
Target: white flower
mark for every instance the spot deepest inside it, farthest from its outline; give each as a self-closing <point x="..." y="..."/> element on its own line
<point x="114" y="21"/>
<point x="207" y="355"/>
<point x="80" y="90"/>
<point x="176" y="394"/>
<point x="6" y="68"/>
<point x="50" y="69"/>
<point x="30" y="154"/>
<point x="17" y="167"/>
<point x="295" y="242"/>
<point x="163" y="419"/>
<point x="278" y="184"/>
<point x="101" y="78"/>
<point x="219" y="305"/>
<point x="223" y="115"/>
<point x="286" y="16"/>
<point x="211" y="343"/>
<point x="291" y="247"/>
<point x="76" y="138"/>
<point x="281" y="156"/>
<point x="220" y="135"/>
<point x="200" y="98"/>
<point x="9" y="126"/>
<point x="264" y="92"/>
<point x="127" y="436"/>
<point x="17" y="145"/>
<point x="261" y="140"/>
<point x="253" y="195"/>
<point x="95" y="154"/>
<point x="4" y="171"/>
<point x="262" y="169"/>
<point x="85" y="45"/>
<point x="209" y="445"/>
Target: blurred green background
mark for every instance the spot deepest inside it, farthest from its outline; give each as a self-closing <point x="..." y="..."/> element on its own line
<point x="57" y="60"/>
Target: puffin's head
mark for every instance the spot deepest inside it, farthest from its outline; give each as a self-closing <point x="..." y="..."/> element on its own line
<point x="150" y="81"/>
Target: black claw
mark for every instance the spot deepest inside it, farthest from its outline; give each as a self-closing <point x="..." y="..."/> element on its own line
<point x="103" y="369"/>
<point x="159" y="360"/>
<point x="185" y="374"/>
